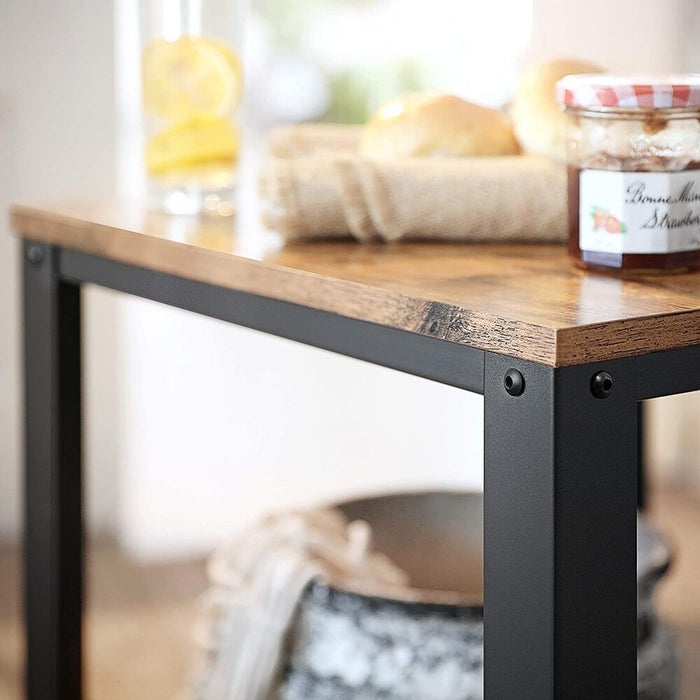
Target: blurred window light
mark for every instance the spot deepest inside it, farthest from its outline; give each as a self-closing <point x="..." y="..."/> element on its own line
<point x="368" y="51"/>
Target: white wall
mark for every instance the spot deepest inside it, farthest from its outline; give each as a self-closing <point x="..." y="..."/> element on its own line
<point x="620" y="35"/>
<point x="224" y="424"/>
<point x="56" y="140"/>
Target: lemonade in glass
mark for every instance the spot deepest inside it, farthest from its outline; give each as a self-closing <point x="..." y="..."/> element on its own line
<point x="191" y="86"/>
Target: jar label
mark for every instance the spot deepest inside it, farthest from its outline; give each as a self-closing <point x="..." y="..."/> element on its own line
<point x="633" y="212"/>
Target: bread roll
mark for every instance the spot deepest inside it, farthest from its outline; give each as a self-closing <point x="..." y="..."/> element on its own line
<point x="539" y="123"/>
<point x="433" y="124"/>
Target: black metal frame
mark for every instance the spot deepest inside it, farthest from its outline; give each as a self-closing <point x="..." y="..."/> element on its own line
<point x="560" y="475"/>
<point x="53" y="480"/>
<point x="560" y="504"/>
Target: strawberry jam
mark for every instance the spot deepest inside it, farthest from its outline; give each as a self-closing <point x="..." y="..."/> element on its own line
<point x="634" y="262"/>
<point x="633" y="149"/>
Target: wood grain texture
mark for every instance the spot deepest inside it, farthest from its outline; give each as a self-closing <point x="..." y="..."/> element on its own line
<point x="526" y="301"/>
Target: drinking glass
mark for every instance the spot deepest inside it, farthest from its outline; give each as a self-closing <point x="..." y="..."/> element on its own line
<point x="191" y="78"/>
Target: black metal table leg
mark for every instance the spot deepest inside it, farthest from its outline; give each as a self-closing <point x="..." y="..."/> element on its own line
<point x="560" y="500"/>
<point x="53" y="499"/>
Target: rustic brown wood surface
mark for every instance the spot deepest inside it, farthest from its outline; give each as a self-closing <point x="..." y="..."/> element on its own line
<point x="526" y="301"/>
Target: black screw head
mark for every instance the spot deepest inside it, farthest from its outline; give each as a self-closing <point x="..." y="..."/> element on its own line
<point x="514" y="382"/>
<point x="35" y="254"/>
<point x="602" y="385"/>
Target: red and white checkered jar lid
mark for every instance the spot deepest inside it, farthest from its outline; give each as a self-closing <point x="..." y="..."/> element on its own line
<point x="597" y="90"/>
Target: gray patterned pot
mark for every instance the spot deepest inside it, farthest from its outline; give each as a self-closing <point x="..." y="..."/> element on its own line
<point x="426" y="643"/>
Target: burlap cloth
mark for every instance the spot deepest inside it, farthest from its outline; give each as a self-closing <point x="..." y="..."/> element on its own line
<point x="316" y="185"/>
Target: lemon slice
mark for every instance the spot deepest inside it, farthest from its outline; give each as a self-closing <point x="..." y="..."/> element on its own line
<point x="193" y="142"/>
<point x="190" y="76"/>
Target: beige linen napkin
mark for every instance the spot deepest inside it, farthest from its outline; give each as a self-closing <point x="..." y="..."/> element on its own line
<point x="315" y="185"/>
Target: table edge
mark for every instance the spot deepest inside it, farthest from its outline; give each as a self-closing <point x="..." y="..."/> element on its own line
<point x="555" y="347"/>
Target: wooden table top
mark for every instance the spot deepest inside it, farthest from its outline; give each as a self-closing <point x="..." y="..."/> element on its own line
<point x="526" y="301"/>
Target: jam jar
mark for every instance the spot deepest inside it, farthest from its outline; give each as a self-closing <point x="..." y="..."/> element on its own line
<point x="633" y="151"/>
